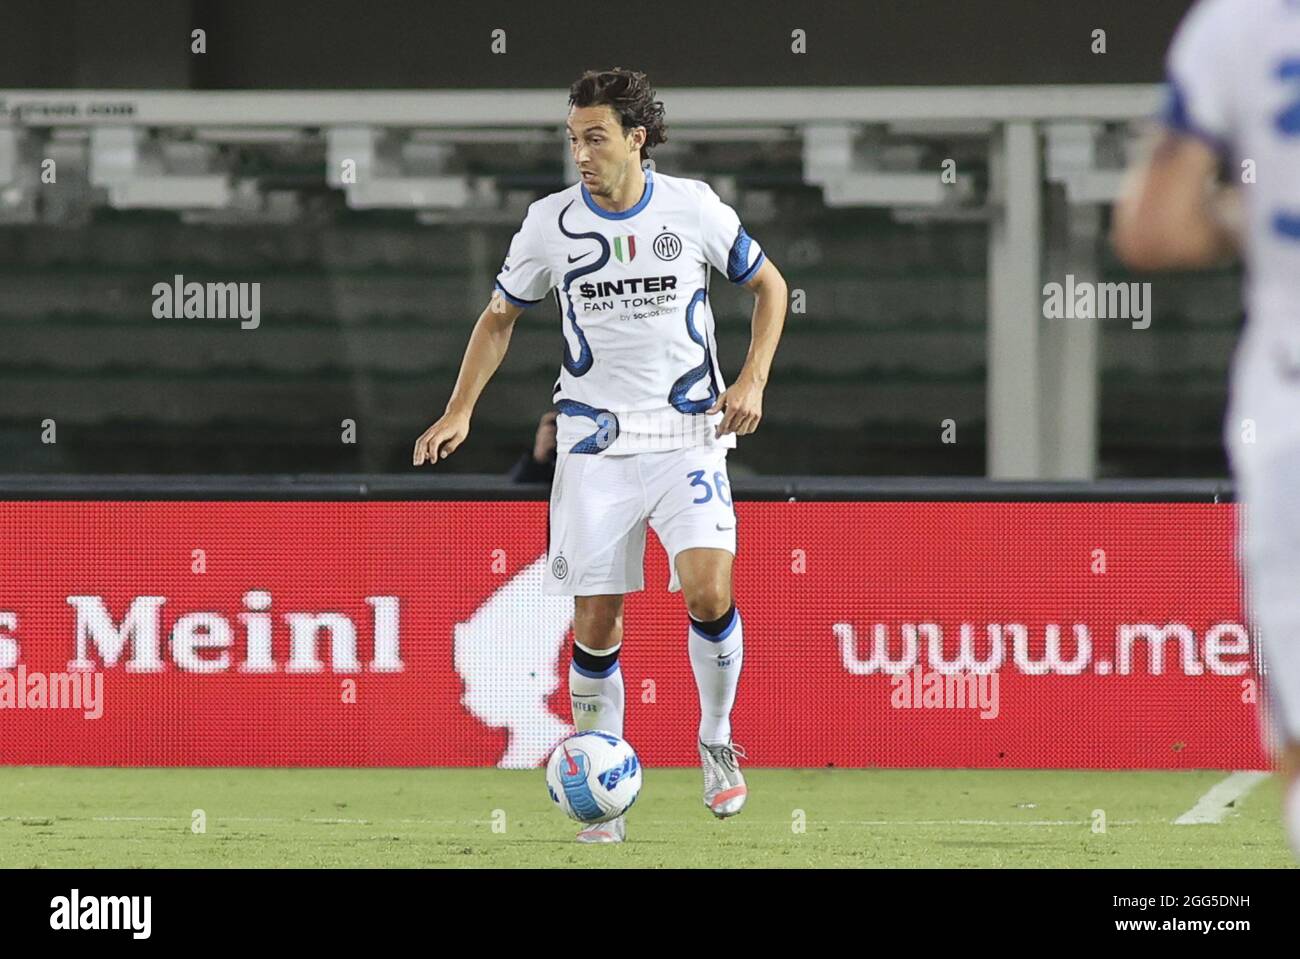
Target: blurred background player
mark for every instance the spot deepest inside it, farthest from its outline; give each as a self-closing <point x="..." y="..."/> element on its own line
<point x="537" y="465"/>
<point x="644" y="417"/>
<point x="1234" y="95"/>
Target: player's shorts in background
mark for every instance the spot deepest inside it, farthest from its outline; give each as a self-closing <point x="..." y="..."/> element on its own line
<point x="1268" y="503"/>
<point x="600" y="505"/>
<point x="1262" y="436"/>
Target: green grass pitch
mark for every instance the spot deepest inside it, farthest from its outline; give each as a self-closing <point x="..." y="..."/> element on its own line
<point x="82" y="817"/>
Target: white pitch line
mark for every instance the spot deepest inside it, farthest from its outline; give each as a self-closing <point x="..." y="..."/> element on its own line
<point x="1214" y="805"/>
<point x="977" y="822"/>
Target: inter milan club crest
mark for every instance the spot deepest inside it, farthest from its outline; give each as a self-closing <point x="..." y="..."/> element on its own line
<point x="667" y="246"/>
<point x="625" y="248"/>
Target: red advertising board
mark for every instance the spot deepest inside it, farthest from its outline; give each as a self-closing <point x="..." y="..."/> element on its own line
<point x="1090" y="635"/>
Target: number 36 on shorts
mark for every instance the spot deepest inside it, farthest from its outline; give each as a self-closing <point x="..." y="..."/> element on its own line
<point x="706" y="491"/>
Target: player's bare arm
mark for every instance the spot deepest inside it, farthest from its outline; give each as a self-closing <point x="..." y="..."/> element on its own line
<point x="487" y="348"/>
<point x="742" y="402"/>
<point x="1171" y="213"/>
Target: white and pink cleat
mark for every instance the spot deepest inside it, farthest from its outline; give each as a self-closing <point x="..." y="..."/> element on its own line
<point x="613" y="831"/>
<point x="724" y="784"/>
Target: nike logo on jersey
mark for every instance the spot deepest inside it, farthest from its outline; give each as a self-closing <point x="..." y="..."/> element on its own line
<point x="722" y="529"/>
<point x="575" y="259"/>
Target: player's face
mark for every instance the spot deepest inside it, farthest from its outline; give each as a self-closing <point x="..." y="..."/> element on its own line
<point x="601" y="151"/>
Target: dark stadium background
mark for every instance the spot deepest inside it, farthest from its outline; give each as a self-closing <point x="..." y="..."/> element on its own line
<point x="75" y="276"/>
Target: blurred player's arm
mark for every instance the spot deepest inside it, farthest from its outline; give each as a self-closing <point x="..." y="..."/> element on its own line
<point x="487" y="348"/>
<point x="742" y="402"/>
<point x="1171" y="212"/>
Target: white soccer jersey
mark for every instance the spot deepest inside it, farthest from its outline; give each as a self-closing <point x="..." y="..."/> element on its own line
<point x="1234" y="78"/>
<point x="640" y="362"/>
<point x="1234" y="72"/>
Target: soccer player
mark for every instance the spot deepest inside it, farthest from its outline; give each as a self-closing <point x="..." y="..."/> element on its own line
<point x="1234" y="94"/>
<point x="645" y="419"/>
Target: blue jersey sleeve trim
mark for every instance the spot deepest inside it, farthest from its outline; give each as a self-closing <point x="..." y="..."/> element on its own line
<point x="749" y="274"/>
<point x="1176" y="117"/>
<point x="517" y="301"/>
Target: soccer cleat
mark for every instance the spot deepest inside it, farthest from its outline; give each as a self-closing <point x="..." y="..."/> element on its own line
<point x="724" y="785"/>
<point x="613" y="831"/>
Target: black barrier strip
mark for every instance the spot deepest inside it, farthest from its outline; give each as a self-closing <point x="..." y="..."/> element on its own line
<point x="468" y="486"/>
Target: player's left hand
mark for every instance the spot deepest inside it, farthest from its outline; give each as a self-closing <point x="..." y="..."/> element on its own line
<point x="742" y="407"/>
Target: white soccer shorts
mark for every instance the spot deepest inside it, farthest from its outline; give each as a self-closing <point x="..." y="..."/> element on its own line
<point x="600" y="505"/>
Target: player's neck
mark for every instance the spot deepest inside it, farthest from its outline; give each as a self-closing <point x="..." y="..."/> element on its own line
<point x="628" y="196"/>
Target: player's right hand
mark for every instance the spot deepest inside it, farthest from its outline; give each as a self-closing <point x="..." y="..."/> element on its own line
<point x="441" y="439"/>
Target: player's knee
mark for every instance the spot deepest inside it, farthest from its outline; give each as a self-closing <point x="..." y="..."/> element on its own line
<point x="597" y="633"/>
<point x="597" y="623"/>
<point x="708" y="603"/>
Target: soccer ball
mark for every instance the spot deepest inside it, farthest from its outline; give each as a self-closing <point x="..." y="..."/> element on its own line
<point x="593" y="776"/>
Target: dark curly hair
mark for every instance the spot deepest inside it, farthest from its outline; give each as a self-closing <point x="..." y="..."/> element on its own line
<point x="630" y="95"/>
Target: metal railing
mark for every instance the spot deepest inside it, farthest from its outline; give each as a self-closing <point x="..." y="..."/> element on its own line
<point x="474" y="486"/>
